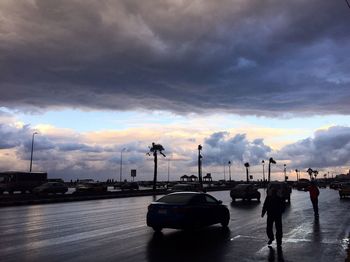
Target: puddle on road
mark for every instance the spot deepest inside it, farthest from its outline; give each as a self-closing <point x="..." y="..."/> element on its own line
<point x="346" y="245"/>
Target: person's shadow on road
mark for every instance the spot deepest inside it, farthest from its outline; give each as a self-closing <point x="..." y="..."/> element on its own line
<point x="272" y="256"/>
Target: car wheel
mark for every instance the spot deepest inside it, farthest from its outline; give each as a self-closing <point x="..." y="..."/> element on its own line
<point x="157" y="229"/>
<point x="225" y="221"/>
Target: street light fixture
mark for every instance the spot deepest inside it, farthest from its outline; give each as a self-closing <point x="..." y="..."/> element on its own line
<point x="31" y="155"/>
<point x="121" y="165"/>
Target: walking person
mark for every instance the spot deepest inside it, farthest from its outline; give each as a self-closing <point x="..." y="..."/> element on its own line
<point x="274" y="206"/>
<point x="314" y="193"/>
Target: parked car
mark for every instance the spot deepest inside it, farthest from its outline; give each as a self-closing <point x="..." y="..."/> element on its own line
<point x="130" y="186"/>
<point x="335" y="185"/>
<point x="187" y="210"/>
<point x="245" y="192"/>
<point x="283" y="189"/>
<point x="193" y="187"/>
<point x="344" y="190"/>
<point x="321" y="184"/>
<point x="50" y="188"/>
<point x="91" y="187"/>
<point x="302" y="184"/>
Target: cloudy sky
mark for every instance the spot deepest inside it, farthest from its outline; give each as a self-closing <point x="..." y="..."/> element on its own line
<point x="247" y="79"/>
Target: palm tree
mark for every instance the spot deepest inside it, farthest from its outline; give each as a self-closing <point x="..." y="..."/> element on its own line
<point x="310" y="172"/>
<point x="247" y="171"/>
<point x="154" y="149"/>
<point x="271" y="161"/>
<point x="296" y="171"/>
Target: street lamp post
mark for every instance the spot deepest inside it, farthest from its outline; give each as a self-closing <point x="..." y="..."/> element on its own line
<point x="263" y="164"/>
<point x="285" y="172"/>
<point x="168" y="170"/>
<point x="121" y="165"/>
<point x="200" y="166"/>
<point x="31" y="155"/>
<point x="229" y="169"/>
<point x="224" y="172"/>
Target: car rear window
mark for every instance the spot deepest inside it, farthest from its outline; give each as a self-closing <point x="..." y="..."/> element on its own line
<point x="176" y="198"/>
<point x="241" y="186"/>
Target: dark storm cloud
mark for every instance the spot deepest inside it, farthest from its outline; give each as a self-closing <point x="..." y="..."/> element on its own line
<point x="220" y="148"/>
<point x="247" y="57"/>
<point x="328" y="148"/>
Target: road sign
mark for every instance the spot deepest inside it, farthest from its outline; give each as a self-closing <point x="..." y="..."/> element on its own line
<point x="133" y="172"/>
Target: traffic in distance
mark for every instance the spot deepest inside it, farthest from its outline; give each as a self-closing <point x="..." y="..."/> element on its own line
<point x="37" y="183"/>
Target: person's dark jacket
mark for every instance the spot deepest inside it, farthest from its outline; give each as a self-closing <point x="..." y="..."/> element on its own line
<point x="273" y="205"/>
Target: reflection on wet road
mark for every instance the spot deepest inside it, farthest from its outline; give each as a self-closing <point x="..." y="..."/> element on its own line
<point x="115" y="230"/>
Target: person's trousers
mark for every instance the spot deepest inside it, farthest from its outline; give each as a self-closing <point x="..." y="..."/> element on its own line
<point x="315" y="206"/>
<point x="278" y="224"/>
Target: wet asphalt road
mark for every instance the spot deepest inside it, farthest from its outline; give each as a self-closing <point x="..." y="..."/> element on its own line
<point x="115" y="230"/>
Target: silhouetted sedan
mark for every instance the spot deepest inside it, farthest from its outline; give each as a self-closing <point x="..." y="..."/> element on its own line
<point x="245" y="191"/>
<point x="51" y="188"/>
<point x="187" y="210"/>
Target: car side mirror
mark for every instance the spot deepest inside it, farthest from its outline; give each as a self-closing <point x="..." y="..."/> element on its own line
<point x="219" y="202"/>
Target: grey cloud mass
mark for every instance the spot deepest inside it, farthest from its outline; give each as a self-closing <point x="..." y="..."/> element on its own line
<point x="221" y="148"/>
<point x="248" y="57"/>
<point x="328" y="148"/>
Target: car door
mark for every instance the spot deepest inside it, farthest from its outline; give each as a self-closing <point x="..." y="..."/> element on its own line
<point x="213" y="210"/>
<point x="199" y="211"/>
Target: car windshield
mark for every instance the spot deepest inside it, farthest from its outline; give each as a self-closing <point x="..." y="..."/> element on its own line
<point x="176" y="198"/>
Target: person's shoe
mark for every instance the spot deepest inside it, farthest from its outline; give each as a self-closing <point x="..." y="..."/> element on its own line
<point x="270" y="241"/>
